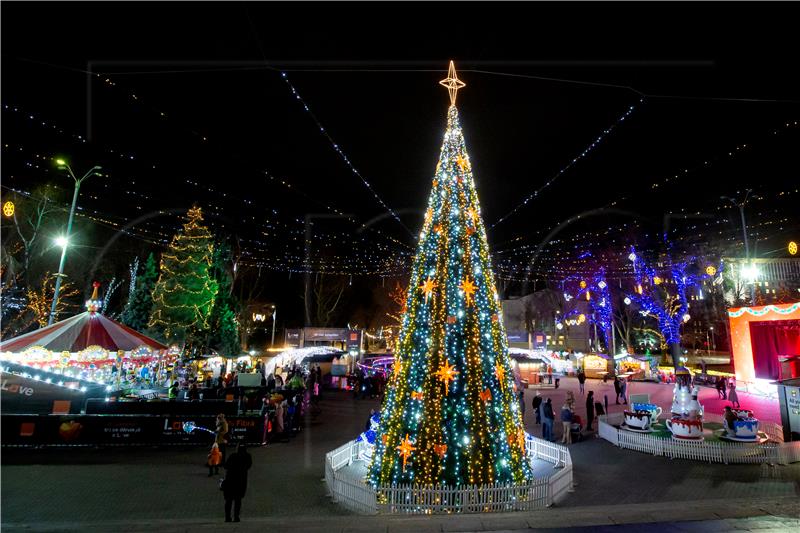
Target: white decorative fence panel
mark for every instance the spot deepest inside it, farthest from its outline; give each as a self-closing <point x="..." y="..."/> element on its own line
<point x="355" y="494"/>
<point x="777" y="452"/>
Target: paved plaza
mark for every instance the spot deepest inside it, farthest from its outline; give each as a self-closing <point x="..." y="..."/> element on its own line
<point x="136" y="489"/>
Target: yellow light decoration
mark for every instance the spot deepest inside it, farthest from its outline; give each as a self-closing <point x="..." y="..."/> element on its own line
<point x="657" y="280"/>
<point x="8" y="209"/>
<point x="469" y="289"/>
<point x="792" y="248"/>
<point x="405" y="449"/>
<point x="500" y="373"/>
<point x="417" y="395"/>
<point x="427" y="287"/>
<point x="582" y="284"/>
<point x="452" y="83"/>
<point x="588" y="295"/>
<point x="711" y="270"/>
<point x="447" y="373"/>
<point x="581" y="318"/>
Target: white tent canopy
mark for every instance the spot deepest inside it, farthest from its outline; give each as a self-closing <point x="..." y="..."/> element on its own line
<point x="296" y="356"/>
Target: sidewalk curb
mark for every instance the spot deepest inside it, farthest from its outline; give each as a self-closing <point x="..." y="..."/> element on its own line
<point x="784" y="508"/>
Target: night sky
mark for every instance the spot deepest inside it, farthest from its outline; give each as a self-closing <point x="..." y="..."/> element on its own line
<point x="186" y="102"/>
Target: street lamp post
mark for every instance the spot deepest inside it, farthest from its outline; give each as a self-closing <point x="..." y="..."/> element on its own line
<point x="64" y="239"/>
<point x="274" y="314"/>
<point x="713" y="342"/>
<point x="744" y="235"/>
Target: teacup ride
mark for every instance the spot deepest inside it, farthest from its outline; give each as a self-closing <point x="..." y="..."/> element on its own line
<point x="654" y="410"/>
<point x="685" y="428"/>
<point x="638" y="421"/>
<point x="743" y="413"/>
<point x="745" y="429"/>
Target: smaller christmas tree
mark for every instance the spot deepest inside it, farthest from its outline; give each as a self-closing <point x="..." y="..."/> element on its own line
<point x="184" y="294"/>
<point x="223" y="334"/>
<point x="140" y="302"/>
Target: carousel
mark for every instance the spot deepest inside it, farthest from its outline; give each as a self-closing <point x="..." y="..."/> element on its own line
<point x="93" y="348"/>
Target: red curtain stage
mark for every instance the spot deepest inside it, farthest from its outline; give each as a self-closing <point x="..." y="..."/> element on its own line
<point x="770" y="340"/>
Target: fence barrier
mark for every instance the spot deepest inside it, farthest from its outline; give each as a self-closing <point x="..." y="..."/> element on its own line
<point x="357" y="495"/>
<point x="774" y="452"/>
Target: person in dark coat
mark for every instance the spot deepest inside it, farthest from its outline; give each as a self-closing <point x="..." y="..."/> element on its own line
<point x="537" y="401"/>
<point x="617" y="388"/>
<point x="581" y="380"/>
<point x="235" y="485"/>
<point x="590" y="410"/>
<point x="548" y="417"/>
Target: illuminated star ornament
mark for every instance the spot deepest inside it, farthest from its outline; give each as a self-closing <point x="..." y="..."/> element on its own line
<point x="500" y="372"/>
<point x="462" y="163"/>
<point x="427" y="287"/>
<point x="397" y="368"/>
<point x="452" y="83"/>
<point x="469" y="289"/>
<point x="447" y="373"/>
<point x="405" y="449"/>
<point x="473" y="216"/>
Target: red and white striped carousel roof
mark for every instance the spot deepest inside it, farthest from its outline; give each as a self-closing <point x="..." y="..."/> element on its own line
<point x="79" y="332"/>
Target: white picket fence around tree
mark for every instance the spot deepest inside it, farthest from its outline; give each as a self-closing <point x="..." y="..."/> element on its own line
<point x="773" y="452"/>
<point x="358" y="496"/>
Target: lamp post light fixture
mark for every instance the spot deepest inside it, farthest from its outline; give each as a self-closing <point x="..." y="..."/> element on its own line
<point x="274" y="315"/>
<point x="63" y="240"/>
<point x="744" y="236"/>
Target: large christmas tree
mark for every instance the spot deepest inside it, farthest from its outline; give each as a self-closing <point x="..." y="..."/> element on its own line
<point x="451" y="414"/>
<point x="184" y="294"/>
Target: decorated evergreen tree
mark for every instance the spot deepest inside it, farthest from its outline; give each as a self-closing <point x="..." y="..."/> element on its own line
<point x="451" y="414"/>
<point x="140" y="302"/>
<point x="184" y="294"/>
<point x="223" y="334"/>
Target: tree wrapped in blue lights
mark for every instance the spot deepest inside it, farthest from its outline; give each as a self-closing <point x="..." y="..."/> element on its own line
<point x="662" y="293"/>
<point x="596" y="292"/>
<point x="451" y="414"/>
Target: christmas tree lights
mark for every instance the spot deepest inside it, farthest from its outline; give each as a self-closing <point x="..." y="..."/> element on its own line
<point x="451" y="414"/>
<point x="184" y="294"/>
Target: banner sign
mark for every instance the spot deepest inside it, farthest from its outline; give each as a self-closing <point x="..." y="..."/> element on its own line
<point x="125" y="430"/>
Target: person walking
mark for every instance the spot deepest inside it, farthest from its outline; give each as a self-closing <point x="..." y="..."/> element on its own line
<point x="623" y="389"/>
<point x="537" y="403"/>
<point x="548" y="417"/>
<point x="724" y="388"/>
<point x="221" y="434"/>
<point x="234" y="486"/>
<point x="582" y="381"/>
<point x="214" y="460"/>
<point x="590" y="410"/>
<point x="617" y="387"/>
<point x="566" y="423"/>
<point x="522" y="402"/>
<point x="733" y="396"/>
<point x="719" y="386"/>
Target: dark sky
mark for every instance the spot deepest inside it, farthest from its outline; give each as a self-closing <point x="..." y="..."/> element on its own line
<point x="369" y="73"/>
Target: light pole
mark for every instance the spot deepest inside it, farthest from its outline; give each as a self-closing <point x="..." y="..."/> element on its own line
<point x="63" y="240"/>
<point x="713" y="342"/>
<point x="744" y="234"/>
<point x="274" y="314"/>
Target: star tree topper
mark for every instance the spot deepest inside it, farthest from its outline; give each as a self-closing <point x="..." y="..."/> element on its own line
<point x="452" y="83"/>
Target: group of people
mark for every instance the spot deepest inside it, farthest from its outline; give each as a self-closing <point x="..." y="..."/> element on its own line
<point x="368" y="384"/>
<point x="234" y="484"/>
<point x="727" y="391"/>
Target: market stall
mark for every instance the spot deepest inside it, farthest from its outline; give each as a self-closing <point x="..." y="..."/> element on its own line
<point x="595" y="365"/>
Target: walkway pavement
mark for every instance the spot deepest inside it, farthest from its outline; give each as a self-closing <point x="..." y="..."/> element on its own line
<point x="144" y="489"/>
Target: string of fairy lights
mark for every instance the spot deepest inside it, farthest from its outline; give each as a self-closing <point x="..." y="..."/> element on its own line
<point x="371" y="257"/>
